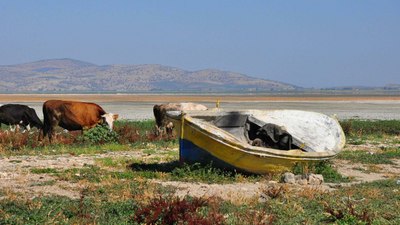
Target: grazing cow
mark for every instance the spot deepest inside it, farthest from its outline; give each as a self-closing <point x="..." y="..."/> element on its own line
<point x="160" y="114"/>
<point x="72" y="115"/>
<point x="16" y="114"/>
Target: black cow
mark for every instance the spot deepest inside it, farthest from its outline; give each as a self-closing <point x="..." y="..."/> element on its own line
<point x="160" y="114"/>
<point x="16" y="114"/>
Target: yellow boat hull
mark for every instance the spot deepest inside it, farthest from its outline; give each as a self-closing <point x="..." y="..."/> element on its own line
<point x="204" y="143"/>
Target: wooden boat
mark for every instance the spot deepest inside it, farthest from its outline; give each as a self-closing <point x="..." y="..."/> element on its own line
<point x="226" y="138"/>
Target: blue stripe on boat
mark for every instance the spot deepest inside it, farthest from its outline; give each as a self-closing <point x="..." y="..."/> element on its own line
<point x="190" y="153"/>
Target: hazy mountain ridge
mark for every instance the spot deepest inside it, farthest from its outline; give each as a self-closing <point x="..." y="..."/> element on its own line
<point x="68" y="75"/>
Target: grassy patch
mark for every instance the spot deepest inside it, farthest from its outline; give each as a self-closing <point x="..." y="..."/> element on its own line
<point x="190" y="173"/>
<point x="209" y="174"/>
<point x="171" y="171"/>
<point x="384" y="157"/>
<point x="112" y="162"/>
<point x="51" y="210"/>
<point x="72" y="149"/>
<point x="324" y="168"/>
<point x="89" y="173"/>
<point x="44" y="170"/>
<point x="370" y="127"/>
<point x="45" y="183"/>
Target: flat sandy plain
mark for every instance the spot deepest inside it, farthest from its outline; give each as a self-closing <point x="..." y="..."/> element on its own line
<point x="139" y="106"/>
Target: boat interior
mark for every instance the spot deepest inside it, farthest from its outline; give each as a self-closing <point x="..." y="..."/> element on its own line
<point x="250" y="130"/>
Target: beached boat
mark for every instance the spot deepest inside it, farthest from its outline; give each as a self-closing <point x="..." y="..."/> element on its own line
<point x="256" y="141"/>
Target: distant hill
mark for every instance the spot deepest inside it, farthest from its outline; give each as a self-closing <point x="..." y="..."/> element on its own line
<point x="68" y="75"/>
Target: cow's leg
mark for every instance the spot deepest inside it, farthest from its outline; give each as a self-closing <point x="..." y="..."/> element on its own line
<point x="157" y="130"/>
<point x="50" y="133"/>
<point x="28" y="127"/>
<point x="43" y="133"/>
<point x="47" y="131"/>
<point x="169" y="128"/>
<point x="14" y="128"/>
<point x="54" y="122"/>
<point x="40" y="136"/>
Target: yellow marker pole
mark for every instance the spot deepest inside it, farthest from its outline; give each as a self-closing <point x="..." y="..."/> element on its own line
<point x="217" y="104"/>
<point x="181" y="137"/>
<point x="182" y="124"/>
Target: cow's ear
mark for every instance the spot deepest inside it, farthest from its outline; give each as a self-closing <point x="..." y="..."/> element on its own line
<point x="104" y="115"/>
<point x="115" y="116"/>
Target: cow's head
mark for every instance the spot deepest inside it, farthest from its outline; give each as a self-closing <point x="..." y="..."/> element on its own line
<point x="109" y="119"/>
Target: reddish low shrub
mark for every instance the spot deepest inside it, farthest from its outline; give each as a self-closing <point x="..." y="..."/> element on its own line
<point x="177" y="211"/>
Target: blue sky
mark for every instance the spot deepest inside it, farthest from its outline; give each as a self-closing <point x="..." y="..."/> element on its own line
<point x="310" y="43"/>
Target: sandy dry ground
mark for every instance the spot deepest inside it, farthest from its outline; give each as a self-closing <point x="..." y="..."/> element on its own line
<point x="139" y="107"/>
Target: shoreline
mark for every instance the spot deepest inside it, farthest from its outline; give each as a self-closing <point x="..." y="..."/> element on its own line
<point x="7" y="98"/>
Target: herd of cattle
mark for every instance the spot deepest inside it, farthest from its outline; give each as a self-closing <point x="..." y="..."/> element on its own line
<point x="74" y="115"/>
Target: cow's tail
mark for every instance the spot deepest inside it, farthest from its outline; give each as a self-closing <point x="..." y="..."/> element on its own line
<point x="158" y="117"/>
<point x="46" y="123"/>
<point x="34" y="119"/>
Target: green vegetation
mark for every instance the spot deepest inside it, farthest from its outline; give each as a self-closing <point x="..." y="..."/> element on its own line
<point x="378" y="140"/>
<point x="171" y="171"/>
<point x="99" y="135"/>
<point x="384" y="157"/>
<point x="126" y="135"/>
<point x="378" y="128"/>
<point x="324" y="168"/>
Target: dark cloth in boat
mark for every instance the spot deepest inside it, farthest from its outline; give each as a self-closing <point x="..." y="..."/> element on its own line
<point x="273" y="136"/>
<point x="254" y="131"/>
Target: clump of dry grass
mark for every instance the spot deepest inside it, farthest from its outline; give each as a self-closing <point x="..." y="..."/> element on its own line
<point x="275" y="191"/>
<point x="348" y="210"/>
<point x="311" y="192"/>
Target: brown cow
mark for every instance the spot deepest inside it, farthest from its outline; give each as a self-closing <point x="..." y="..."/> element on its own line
<point x="72" y="115"/>
<point x="160" y="114"/>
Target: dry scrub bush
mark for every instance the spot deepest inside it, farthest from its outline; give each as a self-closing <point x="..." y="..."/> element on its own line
<point x="311" y="192"/>
<point x="348" y="211"/>
<point x="255" y="217"/>
<point x="172" y="210"/>
<point x="14" y="140"/>
<point x="275" y="191"/>
<point x="127" y="134"/>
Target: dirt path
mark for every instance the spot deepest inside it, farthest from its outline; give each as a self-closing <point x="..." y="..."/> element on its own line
<point x="368" y="173"/>
<point x="16" y="177"/>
